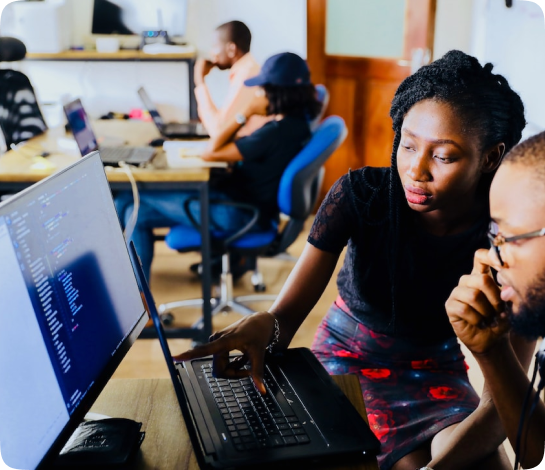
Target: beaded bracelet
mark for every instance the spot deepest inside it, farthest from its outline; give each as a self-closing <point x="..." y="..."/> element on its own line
<point x="276" y="336"/>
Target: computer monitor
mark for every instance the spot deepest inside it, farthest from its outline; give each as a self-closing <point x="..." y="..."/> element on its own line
<point x="135" y="16"/>
<point x="70" y="311"/>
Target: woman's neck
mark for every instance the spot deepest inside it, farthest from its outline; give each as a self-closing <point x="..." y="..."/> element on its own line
<point x="452" y="220"/>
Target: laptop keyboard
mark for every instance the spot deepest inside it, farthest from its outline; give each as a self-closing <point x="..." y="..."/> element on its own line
<point x="135" y="154"/>
<point x="252" y="420"/>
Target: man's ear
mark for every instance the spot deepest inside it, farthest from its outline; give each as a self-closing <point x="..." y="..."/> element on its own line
<point x="493" y="158"/>
<point x="231" y="49"/>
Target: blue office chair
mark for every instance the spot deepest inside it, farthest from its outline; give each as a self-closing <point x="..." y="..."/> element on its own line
<point x="20" y="115"/>
<point x="297" y="195"/>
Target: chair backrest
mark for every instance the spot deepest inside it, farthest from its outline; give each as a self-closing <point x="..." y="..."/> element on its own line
<point x="20" y="115"/>
<point x="11" y="49"/>
<point x="323" y="97"/>
<point x="301" y="181"/>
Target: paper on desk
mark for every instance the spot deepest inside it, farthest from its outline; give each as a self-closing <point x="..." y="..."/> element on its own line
<point x="185" y="144"/>
<point x="186" y="154"/>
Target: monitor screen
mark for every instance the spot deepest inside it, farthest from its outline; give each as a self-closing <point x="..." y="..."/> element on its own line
<point x="135" y="16"/>
<point x="80" y="125"/>
<point x="71" y="308"/>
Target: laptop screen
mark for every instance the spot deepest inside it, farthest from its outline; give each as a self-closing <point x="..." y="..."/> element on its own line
<point x="81" y="127"/>
<point x="70" y="306"/>
<point x="152" y="110"/>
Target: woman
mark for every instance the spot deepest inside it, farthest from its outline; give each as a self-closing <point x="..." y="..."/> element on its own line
<point x="411" y="231"/>
<point x="287" y="96"/>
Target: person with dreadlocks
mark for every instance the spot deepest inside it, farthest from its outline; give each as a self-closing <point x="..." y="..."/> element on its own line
<point x="411" y="231"/>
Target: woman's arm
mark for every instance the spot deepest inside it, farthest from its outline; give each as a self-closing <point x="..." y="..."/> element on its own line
<point x="252" y="334"/>
<point x="221" y="146"/>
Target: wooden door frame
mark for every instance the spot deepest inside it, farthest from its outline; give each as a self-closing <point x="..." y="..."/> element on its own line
<point x="419" y="32"/>
<point x="362" y="87"/>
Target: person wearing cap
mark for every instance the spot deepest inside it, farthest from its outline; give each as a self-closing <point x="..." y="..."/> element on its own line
<point x="284" y="92"/>
<point x="230" y="51"/>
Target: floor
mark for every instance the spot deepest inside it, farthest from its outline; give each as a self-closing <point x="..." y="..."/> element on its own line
<point x="172" y="280"/>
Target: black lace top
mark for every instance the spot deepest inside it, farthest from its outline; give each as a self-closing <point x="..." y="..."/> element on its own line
<point x="355" y="213"/>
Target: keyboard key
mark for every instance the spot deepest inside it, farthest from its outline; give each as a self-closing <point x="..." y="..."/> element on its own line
<point x="298" y="431"/>
<point x="239" y="421"/>
<point x="290" y="440"/>
<point x="286" y="432"/>
<point x="302" y="439"/>
<point x="296" y="425"/>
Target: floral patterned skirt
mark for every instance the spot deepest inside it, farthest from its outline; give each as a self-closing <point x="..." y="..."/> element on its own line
<point x="410" y="392"/>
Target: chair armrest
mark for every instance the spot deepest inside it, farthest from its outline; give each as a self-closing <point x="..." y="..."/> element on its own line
<point x="254" y="211"/>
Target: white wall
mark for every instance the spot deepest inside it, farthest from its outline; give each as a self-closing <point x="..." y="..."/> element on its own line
<point x="513" y="39"/>
<point x="277" y="26"/>
<point x="453" y="26"/>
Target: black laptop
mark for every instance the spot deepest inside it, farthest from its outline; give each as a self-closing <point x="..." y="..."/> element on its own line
<point x="80" y="125"/>
<point x="172" y="130"/>
<point x="304" y="415"/>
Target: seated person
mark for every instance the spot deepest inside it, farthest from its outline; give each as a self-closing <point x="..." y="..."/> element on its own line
<point x="287" y="95"/>
<point x="483" y="312"/>
<point x="230" y="51"/>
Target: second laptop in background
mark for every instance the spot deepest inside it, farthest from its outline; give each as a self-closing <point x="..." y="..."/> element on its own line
<point x="172" y="130"/>
<point x="80" y="125"/>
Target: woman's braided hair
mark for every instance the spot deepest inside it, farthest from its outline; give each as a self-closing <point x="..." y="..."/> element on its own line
<point x="489" y="107"/>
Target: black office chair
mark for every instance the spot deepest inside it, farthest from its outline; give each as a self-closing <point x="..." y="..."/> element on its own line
<point x="299" y="188"/>
<point x="20" y="115"/>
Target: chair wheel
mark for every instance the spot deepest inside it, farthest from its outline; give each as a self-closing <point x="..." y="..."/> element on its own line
<point x="260" y="288"/>
<point x="167" y="318"/>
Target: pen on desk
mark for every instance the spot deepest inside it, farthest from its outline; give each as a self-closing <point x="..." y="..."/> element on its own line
<point x="15" y="148"/>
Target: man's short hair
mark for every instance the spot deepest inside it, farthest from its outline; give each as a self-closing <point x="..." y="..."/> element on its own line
<point x="238" y="33"/>
<point x="530" y="153"/>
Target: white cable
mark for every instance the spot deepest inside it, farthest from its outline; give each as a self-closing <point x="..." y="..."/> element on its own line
<point x="129" y="228"/>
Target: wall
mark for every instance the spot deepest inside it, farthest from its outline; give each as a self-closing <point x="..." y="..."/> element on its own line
<point x="453" y="26"/>
<point x="277" y="26"/>
<point x="513" y="39"/>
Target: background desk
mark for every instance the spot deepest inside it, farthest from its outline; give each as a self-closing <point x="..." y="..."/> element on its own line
<point x="167" y="444"/>
<point x="128" y="55"/>
<point x="16" y="173"/>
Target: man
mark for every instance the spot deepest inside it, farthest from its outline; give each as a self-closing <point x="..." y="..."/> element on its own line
<point x="230" y="51"/>
<point x="482" y="312"/>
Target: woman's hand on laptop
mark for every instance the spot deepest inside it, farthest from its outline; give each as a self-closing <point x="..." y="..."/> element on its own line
<point x="475" y="309"/>
<point x="250" y="335"/>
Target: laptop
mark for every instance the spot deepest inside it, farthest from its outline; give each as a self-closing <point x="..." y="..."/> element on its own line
<point x="172" y="130"/>
<point x="71" y="309"/>
<point x="303" y="417"/>
<point x="80" y="125"/>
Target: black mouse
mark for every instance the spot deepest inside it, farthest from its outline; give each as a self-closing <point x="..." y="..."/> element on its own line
<point x="157" y="142"/>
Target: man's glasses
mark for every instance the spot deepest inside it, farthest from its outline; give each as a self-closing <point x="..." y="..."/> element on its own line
<point x="497" y="239"/>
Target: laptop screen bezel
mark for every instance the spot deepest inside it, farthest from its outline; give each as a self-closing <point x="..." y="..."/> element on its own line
<point x="94" y="391"/>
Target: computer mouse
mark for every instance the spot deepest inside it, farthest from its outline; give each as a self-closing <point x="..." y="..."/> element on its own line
<point x="157" y="142"/>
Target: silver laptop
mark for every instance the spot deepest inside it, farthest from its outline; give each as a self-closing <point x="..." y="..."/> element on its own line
<point x="173" y="130"/>
<point x="80" y="125"/>
<point x="71" y="309"/>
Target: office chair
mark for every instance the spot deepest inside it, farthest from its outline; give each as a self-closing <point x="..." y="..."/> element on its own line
<point x="297" y="194"/>
<point x="20" y="115"/>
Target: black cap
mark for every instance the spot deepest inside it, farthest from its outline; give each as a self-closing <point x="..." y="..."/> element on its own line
<point x="285" y="69"/>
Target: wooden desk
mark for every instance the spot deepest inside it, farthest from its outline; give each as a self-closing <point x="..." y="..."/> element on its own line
<point x="17" y="172"/>
<point x="19" y="169"/>
<point x="167" y="444"/>
<point x="134" y="55"/>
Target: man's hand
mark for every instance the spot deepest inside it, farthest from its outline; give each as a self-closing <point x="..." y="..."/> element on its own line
<point x="202" y="69"/>
<point x="475" y="309"/>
